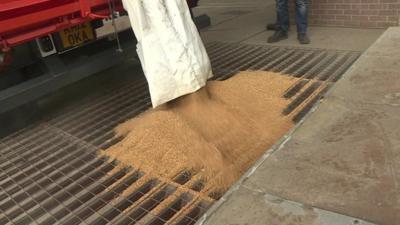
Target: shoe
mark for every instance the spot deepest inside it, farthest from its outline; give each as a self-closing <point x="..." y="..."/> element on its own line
<point x="278" y="36"/>
<point x="272" y="26"/>
<point x="303" y="38"/>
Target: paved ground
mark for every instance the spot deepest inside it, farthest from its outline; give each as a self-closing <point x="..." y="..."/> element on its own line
<point x="245" y="21"/>
<point x="341" y="166"/>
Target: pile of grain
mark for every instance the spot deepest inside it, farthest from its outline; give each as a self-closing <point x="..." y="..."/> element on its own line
<point x="219" y="131"/>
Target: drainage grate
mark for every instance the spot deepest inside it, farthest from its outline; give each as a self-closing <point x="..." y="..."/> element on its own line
<point x="51" y="173"/>
<point x="317" y="69"/>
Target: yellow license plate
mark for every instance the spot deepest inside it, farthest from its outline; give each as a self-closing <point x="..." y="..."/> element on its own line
<point x="76" y="35"/>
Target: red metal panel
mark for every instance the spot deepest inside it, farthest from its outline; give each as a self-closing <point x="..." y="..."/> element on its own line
<point x="7" y="5"/>
<point x="25" y="20"/>
<point x="20" y="22"/>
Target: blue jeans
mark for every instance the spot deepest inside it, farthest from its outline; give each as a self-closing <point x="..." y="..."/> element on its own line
<point x="282" y="11"/>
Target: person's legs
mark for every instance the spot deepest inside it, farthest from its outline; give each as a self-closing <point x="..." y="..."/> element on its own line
<point x="282" y="11"/>
<point x="301" y="19"/>
<point x="301" y="16"/>
<point x="274" y="26"/>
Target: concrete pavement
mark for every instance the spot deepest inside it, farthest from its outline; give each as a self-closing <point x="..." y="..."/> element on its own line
<point x="342" y="164"/>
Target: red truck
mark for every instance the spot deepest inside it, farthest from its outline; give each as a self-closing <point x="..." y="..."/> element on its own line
<point x="25" y="20"/>
<point x="47" y="44"/>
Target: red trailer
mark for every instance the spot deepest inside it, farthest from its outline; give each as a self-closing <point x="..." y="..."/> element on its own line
<point x="25" y="20"/>
<point x="47" y="44"/>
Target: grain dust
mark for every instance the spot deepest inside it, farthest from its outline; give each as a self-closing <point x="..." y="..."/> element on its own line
<point x="219" y="131"/>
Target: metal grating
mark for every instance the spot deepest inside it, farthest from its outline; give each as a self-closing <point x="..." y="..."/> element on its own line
<point x="317" y="69"/>
<point x="51" y="173"/>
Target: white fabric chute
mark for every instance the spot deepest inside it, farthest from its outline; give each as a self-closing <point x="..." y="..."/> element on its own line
<point x="170" y="49"/>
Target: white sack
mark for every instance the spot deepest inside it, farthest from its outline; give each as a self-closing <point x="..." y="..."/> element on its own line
<point x="170" y="49"/>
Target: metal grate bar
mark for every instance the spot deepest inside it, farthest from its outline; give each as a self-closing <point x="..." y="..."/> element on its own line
<point x="296" y="88"/>
<point x="231" y="67"/>
<point x="35" y="146"/>
<point x="81" y="131"/>
<point x="253" y="59"/>
<point x="18" y="210"/>
<point x="220" y="57"/>
<point x="301" y="98"/>
<point x="19" y="186"/>
<point x="59" y="199"/>
<point x="171" y="210"/>
<point x="198" y="185"/>
<point x="277" y="60"/>
<point x="120" y="103"/>
<point x="100" y="103"/>
<point x="231" y="58"/>
<point x="152" y="202"/>
<point x="183" y="177"/>
<point x="267" y="59"/>
<point x="40" y="177"/>
<point x="327" y="72"/>
<point x="61" y="211"/>
<point x="319" y="66"/>
<point x="65" y="118"/>
<point x="33" y="188"/>
<point x="219" y="48"/>
<point x="194" y="214"/>
<point x="68" y="116"/>
<point x="343" y="68"/>
<point x="24" y="163"/>
<point x="288" y="61"/>
<point x="109" y="213"/>
<point x="100" y="201"/>
<point x="310" y="104"/>
<point x="307" y="66"/>
<point x="158" y="185"/>
<point x="290" y="68"/>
